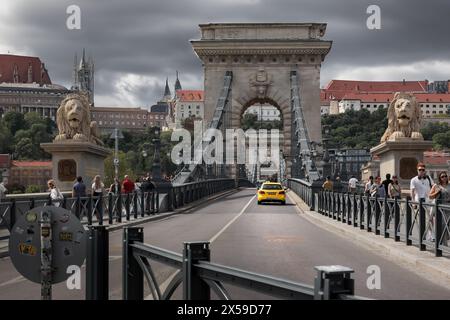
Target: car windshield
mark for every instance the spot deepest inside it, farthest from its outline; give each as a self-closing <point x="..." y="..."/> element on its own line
<point x="271" y="187"/>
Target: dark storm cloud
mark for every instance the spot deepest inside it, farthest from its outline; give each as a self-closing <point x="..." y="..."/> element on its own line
<point x="137" y="43"/>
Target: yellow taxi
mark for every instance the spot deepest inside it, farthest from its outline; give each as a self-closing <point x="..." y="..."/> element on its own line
<point x="271" y="192"/>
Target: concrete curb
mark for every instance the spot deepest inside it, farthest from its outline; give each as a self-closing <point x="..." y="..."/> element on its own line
<point x="194" y="205"/>
<point x="422" y="263"/>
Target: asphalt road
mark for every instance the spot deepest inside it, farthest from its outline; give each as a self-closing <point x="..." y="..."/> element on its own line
<point x="269" y="239"/>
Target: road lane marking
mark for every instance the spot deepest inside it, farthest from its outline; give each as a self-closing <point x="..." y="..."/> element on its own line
<point x="167" y="281"/>
<point x="12" y="281"/>
<point x="232" y="220"/>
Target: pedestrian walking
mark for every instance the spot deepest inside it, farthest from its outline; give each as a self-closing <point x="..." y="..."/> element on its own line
<point x="127" y="185"/>
<point x="116" y="187"/>
<point x="368" y="186"/>
<point x="420" y="187"/>
<point x="352" y="184"/>
<point x="386" y="183"/>
<point x="79" y="188"/>
<point x="55" y="195"/>
<point x="377" y="189"/>
<point x="97" y="192"/>
<point x="394" y="189"/>
<point x="328" y="184"/>
<point x="440" y="194"/>
<point x="3" y="189"/>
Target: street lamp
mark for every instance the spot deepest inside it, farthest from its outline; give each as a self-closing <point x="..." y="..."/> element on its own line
<point x="156" y="166"/>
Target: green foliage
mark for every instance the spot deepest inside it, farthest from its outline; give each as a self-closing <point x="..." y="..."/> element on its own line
<point x="33" y="189"/>
<point x="249" y="121"/>
<point x="22" y="135"/>
<point x="14" y="121"/>
<point x="432" y="128"/>
<point x="356" y="129"/>
<point x="15" y="188"/>
<point x="441" y="140"/>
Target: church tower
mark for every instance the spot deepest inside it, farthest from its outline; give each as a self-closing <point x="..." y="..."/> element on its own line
<point x="83" y="76"/>
<point x="167" y="94"/>
<point x="177" y="86"/>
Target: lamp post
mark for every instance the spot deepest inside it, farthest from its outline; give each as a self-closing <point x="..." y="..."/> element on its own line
<point x="156" y="166"/>
<point x="162" y="185"/>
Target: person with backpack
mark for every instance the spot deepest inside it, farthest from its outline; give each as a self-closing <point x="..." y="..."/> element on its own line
<point x="421" y="184"/>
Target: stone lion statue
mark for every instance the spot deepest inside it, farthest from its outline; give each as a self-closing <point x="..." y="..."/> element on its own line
<point x="404" y="118"/>
<point x="74" y="120"/>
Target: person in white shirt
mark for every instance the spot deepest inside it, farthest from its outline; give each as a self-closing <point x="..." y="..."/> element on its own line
<point x="420" y="189"/>
<point x="352" y="184"/>
<point x="97" y="192"/>
<point x="368" y="185"/>
<point x="55" y="195"/>
<point x="3" y="189"/>
<point x="421" y="184"/>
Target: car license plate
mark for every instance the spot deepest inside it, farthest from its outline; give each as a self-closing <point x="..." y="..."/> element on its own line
<point x="271" y="193"/>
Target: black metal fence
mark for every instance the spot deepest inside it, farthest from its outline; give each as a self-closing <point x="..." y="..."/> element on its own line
<point x="199" y="277"/>
<point x="426" y="225"/>
<point x="416" y="223"/>
<point x="190" y="192"/>
<point x="110" y="207"/>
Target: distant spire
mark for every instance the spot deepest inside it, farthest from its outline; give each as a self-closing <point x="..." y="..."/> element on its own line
<point x="75" y="74"/>
<point x="167" y="93"/>
<point x="83" y="59"/>
<point x="177" y="84"/>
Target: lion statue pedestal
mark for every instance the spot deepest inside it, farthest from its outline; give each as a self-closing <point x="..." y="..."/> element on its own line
<point x="402" y="145"/>
<point x="77" y="150"/>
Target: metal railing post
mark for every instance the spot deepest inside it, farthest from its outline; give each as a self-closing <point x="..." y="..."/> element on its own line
<point x="438" y="228"/>
<point x="422" y="223"/>
<point x="90" y="208"/>
<point x="110" y="208"/>
<point x="97" y="264"/>
<point x="143" y="204"/>
<point x="396" y="220"/>
<point x="408" y="222"/>
<point x="127" y="206"/>
<point x="377" y="215"/>
<point x="387" y="215"/>
<point x="194" y="288"/>
<point x="119" y="207"/>
<point x="135" y="204"/>
<point x="132" y="274"/>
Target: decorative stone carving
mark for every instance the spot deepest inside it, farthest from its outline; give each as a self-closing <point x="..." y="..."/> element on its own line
<point x="404" y="118"/>
<point x="260" y="83"/>
<point x="67" y="170"/>
<point x="74" y="120"/>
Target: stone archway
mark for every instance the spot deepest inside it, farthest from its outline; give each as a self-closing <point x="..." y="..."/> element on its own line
<point x="261" y="58"/>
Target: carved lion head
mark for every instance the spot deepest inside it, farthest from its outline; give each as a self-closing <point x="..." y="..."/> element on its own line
<point x="404" y="115"/>
<point x="73" y="116"/>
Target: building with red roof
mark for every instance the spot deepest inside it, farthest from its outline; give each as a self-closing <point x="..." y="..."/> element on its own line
<point x="25" y="86"/>
<point x="341" y="95"/>
<point x="188" y="103"/>
<point x="23" y="69"/>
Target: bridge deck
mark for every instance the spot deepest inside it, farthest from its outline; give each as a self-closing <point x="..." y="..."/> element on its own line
<point x="269" y="239"/>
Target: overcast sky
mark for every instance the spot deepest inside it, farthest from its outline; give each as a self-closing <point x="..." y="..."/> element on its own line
<point x="137" y="43"/>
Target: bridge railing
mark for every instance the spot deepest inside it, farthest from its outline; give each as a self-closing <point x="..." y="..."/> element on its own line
<point x="186" y="193"/>
<point x="91" y="210"/>
<point x="199" y="276"/>
<point x="422" y="224"/>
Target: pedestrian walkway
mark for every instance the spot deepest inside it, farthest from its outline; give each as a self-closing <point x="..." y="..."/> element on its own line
<point x="423" y="263"/>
